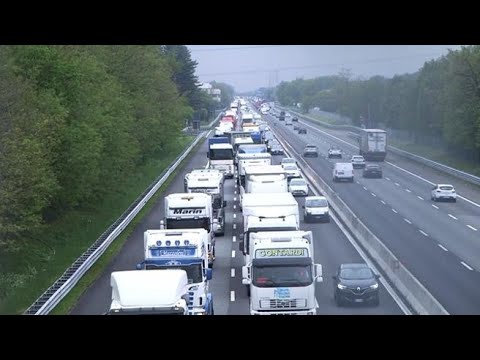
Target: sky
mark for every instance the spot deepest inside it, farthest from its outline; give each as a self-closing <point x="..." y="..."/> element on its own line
<point x="249" y="67"/>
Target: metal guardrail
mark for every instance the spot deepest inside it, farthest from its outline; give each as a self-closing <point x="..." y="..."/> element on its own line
<point x="419" y="159"/>
<point x="63" y="285"/>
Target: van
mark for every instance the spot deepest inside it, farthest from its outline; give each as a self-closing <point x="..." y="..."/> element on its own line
<point x="343" y="171"/>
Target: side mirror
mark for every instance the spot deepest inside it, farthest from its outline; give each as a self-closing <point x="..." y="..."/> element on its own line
<point x="224" y="203"/>
<point x="139" y="266"/>
<point x="245" y="273"/>
<point x="209" y="274"/>
<point x="319" y="272"/>
<point x="246" y="281"/>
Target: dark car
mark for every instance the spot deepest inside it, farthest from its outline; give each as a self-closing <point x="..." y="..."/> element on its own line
<point x="296" y="127"/>
<point x="276" y="149"/>
<point x="310" y="151"/>
<point x="372" y="171"/>
<point x="295" y="119"/>
<point x="356" y="283"/>
<point x="302" y="130"/>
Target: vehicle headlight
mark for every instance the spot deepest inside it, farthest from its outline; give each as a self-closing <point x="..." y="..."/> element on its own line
<point x="374" y="286"/>
<point x="308" y="210"/>
<point x="341" y="287"/>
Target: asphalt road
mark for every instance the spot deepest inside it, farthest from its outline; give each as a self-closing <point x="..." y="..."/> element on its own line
<point x="230" y="298"/>
<point x="437" y="242"/>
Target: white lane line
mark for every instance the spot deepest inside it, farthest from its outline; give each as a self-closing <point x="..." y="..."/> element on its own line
<point x="234" y="238"/>
<point x="234" y="216"/>
<point x="435" y="206"/>
<point x="235" y="198"/>
<point x="387" y="178"/>
<point x="374" y="195"/>
<point x="234" y="226"/>
<point x="423" y="233"/>
<point x="453" y="217"/>
<point x="235" y="192"/>
<point x="471" y="227"/>
<point x="407" y="190"/>
<point x="233" y="253"/>
<point x="395" y="211"/>
<point x="466" y="265"/>
<point x="420" y="198"/>
<point x="383" y="202"/>
<point x="232" y="296"/>
<point x="232" y="272"/>
<point x="364" y="188"/>
<point x="408" y="221"/>
<point x="358" y="182"/>
<point x="397" y="184"/>
<point x="442" y="247"/>
<point x="234" y="207"/>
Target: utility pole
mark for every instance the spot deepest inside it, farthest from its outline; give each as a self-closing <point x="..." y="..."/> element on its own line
<point x="368" y="121"/>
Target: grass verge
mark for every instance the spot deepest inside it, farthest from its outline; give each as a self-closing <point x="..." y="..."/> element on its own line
<point x="66" y="239"/>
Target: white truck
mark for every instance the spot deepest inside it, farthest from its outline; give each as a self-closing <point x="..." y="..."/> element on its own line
<point x="191" y="211"/>
<point x="220" y="156"/>
<point x="264" y="179"/>
<point x="182" y="249"/>
<point x="282" y="274"/>
<point x="210" y="182"/>
<point x="254" y="159"/>
<point x="373" y="144"/>
<point x="154" y="292"/>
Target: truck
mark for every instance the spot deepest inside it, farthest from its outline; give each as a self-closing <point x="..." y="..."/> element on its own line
<point x="191" y="211"/>
<point x="251" y="127"/>
<point x="282" y="116"/>
<point x="282" y="274"/>
<point x="220" y="155"/>
<point x="263" y="179"/>
<point x="209" y="181"/>
<point x="157" y="292"/>
<point x="251" y="159"/>
<point x="247" y="119"/>
<point x="182" y="249"/>
<point x="257" y="137"/>
<point x="373" y="144"/>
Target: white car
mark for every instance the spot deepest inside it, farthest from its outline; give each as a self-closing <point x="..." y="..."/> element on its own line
<point x="288" y="160"/>
<point x="444" y="191"/>
<point x="292" y="171"/>
<point x="288" y="115"/>
<point x="298" y="187"/>
<point x="334" y="153"/>
<point x="358" y="161"/>
<point x="316" y="207"/>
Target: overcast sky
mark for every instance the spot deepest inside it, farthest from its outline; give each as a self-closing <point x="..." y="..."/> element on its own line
<point x="248" y="67"/>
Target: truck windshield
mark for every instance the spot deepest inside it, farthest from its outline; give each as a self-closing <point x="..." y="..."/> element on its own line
<point x="201" y="223"/>
<point x="194" y="271"/>
<point x="252" y="149"/>
<point x="221" y="154"/>
<point x="282" y="276"/>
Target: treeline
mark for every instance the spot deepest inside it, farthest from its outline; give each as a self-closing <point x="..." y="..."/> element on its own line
<point x="441" y="100"/>
<point x="76" y="120"/>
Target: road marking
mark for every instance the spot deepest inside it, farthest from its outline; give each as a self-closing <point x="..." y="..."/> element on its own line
<point x="435" y="206"/>
<point x="234" y="216"/>
<point x="232" y="295"/>
<point x="407" y="190"/>
<point x="387" y="178"/>
<point x="364" y="188"/>
<point x="471" y="227"/>
<point x="374" y="195"/>
<point x="420" y="198"/>
<point x="423" y="233"/>
<point x="383" y="202"/>
<point x="234" y="207"/>
<point x="466" y="265"/>
<point x="453" y="217"/>
<point x="442" y="247"/>
<point x="232" y="272"/>
<point x="358" y="182"/>
<point x="233" y="253"/>
<point x="235" y="198"/>
<point x="235" y="192"/>
<point x="234" y="226"/>
<point x="234" y="238"/>
<point x="397" y="184"/>
<point x="395" y="211"/>
<point x="408" y="221"/>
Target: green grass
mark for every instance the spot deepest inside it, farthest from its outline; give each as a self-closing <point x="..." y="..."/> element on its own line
<point x="65" y="240"/>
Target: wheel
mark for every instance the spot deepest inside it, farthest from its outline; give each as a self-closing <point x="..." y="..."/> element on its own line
<point x="338" y="301"/>
<point x="376" y="301"/>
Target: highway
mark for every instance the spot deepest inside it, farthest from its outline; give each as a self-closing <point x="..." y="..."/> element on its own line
<point x="438" y="242"/>
<point x="332" y="247"/>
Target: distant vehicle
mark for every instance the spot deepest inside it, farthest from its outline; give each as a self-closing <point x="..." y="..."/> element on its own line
<point x="334" y="152"/>
<point x="342" y="171"/>
<point x="288" y="122"/>
<point x="372" y="171"/>
<point x="288" y="160"/>
<point x="288" y="115"/>
<point x="276" y="149"/>
<point x="292" y="171"/>
<point x="373" y="144"/>
<point x="282" y="116"/>
<point x="358" y="161"/>
<point x="356" y="283"/>
<point x="296" y="127"/>
<point x="302" y="130"/>
<point x="295" y="119"/>
<point x="316" y="208"/>
<point x="298" y="187"/>
<point x="271" y="143"/>
<point x="444" y="192"/>
<point x="310" y="151"/>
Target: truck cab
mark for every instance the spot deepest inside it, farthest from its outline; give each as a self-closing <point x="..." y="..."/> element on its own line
<point x="220" y="156"/>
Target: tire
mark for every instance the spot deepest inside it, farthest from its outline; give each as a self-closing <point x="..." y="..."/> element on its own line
<point x="338" y="300"/>
<point x="376" y="301"/>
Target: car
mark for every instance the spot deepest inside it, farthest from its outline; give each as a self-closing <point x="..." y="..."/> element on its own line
<point x="276" y="149"/>
<point x="288" y="115"/>
<point x="295" y="119"/>
<point x="316" y="208"/>
<point x="334" y="152"/>
<point x="288" y="160"/>
<point x="358" y="161"/>
<point x="302" y="130"/>
<point x="298" y="187"/>
<point x="372" y="171"/>
<point x="356" y="283"/>
<point x="272" y="143"/>
<point x="444" y="192"/>
<point x="292" y="171"/>
<point x="343" y="171"/>
<point x="296" y="127"/>
<point x="310" y="151"/>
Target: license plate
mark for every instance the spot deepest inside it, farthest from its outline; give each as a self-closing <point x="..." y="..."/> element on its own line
<point x="358" y="300"/>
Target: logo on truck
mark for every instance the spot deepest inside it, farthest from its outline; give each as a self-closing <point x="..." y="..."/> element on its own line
<point x="187" y="211"/>
<point x="266" y="253"/>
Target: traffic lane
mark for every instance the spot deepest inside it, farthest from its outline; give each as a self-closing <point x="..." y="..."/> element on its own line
<point x="441" y="273"/>
<point x="470" y="191"/>
<point x="332" y="248"/>
<point x="96" y="299"/>
<point x="446" y="228"/>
